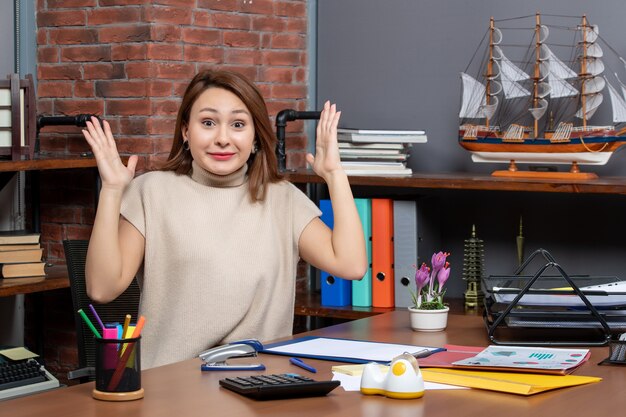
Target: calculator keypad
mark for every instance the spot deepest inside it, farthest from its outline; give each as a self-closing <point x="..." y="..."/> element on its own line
<point x="276" y="386"/>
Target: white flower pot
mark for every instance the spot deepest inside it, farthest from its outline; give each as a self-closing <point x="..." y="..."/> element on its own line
<point x="428" y="320"/>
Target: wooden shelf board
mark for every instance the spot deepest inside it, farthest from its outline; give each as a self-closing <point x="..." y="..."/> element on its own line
<point x="45" y="163"/>
<point x="466" y="181"/>
<point x="56" y="278"/>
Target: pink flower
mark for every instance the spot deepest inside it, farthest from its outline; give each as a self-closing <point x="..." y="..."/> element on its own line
<point x="438" y="260"/>
<point x="421" y="277"/>
<point x="443" y="275"/>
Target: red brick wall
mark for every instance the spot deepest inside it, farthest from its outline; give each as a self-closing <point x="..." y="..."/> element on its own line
<point x="129" y="62"/>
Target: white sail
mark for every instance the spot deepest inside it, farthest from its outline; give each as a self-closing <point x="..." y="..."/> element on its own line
<point x="473" y="98"/>
<point x="618" y="103"/>
<point x="488" y="110"/>
<point x="509" y="69"/>
<point x="540" y="110"/>
<point x="591" y="105"/>
<point x="621" y="84"/>
<point x="594" y="66"/>
<point x="594" y="85"/>
<point x="591" y="33"/>
<point x="556" y="67"/>
<point x="555" y="72"/>
<point x="544" y="89"/>
<point x="594" y="51"/>
<point x="510" y="74"/>
<point x="560" y="87"/>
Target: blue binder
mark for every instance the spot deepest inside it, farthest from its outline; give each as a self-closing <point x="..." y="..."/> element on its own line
<point x="362" y="290"/>
<point x="336" y="291"/>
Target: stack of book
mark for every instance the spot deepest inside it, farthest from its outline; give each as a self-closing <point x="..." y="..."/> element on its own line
<point x="20" y="255"/>
<point x="377" y="152"/>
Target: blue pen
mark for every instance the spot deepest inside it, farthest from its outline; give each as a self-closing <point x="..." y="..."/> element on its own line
<point x="299" y="363"/>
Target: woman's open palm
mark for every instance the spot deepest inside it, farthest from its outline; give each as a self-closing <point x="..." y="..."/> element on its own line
<point x="110" y="166"/>
<point x="326" y="159"/>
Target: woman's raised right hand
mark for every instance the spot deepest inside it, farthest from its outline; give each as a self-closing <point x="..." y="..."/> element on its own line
<point x="112" y="171"/>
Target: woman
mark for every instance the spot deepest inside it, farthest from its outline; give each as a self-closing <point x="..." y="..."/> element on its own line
<point x="215" y="236"/>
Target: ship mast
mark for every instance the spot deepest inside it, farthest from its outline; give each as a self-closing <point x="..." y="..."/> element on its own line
<point x="489" y="67"/>
<point x="583" y="73"/>
<point x="536" y="75"/>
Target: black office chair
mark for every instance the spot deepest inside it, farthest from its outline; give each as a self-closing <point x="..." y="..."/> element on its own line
<point x="115" y="311"/>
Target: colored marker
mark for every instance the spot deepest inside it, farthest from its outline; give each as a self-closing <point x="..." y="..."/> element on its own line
<point x="126" y="324"/>
<point x="119" y="371"/>
<point x="95" y="314"/>
<point x="299" y="363"/>
<point x="89" y="323"/>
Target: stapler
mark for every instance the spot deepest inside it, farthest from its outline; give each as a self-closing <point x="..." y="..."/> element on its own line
<point x="215" y="358"/>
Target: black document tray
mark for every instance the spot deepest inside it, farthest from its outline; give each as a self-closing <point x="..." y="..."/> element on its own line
<point x="548" y="310"/>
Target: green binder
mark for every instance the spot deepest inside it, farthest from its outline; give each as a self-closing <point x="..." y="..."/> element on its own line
<point x="362" y="290"/>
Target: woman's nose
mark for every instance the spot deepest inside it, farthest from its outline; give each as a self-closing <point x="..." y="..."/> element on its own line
<point x="222" y="136"/>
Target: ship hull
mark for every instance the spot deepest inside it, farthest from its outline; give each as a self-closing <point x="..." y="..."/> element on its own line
<point x="591" y="150"/>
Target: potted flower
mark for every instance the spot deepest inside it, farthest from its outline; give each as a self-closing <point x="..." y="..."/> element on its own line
<point x="429" y="312"/>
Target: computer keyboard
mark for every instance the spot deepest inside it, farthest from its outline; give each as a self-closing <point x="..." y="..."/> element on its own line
<point x="24" y="377"/>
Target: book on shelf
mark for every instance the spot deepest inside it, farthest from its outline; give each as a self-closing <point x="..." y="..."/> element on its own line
<point x="21" y="256"/>
<point x="355" y="151"/>
<point x="396" y="146"/>
<point x="381" y="136"/>
<point x="378" y="171"/>
<point x="31" y="269"/>
<point x="373" y="165"/>
<point x="373" y="158"/>
<point x="18" y="237"/>
<point x="4" y="248"/>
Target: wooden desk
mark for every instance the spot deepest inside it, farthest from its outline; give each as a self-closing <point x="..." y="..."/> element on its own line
<point x="182" y="389"/>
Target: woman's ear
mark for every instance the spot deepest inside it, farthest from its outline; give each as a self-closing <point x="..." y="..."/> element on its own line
<point x="184" y="130"/>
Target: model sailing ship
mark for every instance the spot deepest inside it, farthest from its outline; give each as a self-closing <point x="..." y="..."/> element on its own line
<point x="538" y="109"/>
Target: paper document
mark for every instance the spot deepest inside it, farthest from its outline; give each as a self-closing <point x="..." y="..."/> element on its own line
<point x="345" y="350"/>
<point x="352" y="381"/>
<point x="531" y="359"/>
<point x="515" y="383"/>
<point x="614" y="295"/>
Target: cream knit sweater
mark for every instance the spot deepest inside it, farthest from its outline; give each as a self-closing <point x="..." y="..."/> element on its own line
<point x="217" y="268"/>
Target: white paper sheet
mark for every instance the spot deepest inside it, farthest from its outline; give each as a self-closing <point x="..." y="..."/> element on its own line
<point x="344" y="348"/>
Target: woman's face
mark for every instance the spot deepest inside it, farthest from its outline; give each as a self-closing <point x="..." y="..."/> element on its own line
<point x="220" y="131"/>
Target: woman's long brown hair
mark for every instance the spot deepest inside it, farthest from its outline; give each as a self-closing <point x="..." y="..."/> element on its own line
<point x="262" y="165"/>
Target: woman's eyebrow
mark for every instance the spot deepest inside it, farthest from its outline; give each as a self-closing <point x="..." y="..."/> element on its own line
<point x="212" y="110"/>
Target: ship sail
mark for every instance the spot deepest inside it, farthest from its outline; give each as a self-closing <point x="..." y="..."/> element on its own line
<point x="619" y="105"/>
<point x="557" y="74"/>
<point x="510" y="74"/>
<point x="474" y="102"/>
<point x="591" y="69"/>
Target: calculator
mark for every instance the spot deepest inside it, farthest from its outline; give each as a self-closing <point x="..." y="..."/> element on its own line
<point x="278" y="386"/>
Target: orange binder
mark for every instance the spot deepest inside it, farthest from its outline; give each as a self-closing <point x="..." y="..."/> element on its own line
<point x="382" y="253"/>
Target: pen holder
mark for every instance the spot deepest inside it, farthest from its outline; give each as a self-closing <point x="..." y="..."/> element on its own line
<point x="617" y="353"/>
<point x="118" y="369"/>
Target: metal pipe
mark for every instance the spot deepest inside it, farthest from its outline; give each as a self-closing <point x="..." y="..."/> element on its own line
<point x="284" y="116"/>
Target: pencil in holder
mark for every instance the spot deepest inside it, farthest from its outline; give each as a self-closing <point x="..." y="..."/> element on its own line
<point x="617" y="353"/>
<point x="118" y="369"/>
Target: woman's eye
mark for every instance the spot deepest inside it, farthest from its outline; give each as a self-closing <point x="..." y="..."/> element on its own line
<point x="238" y="125"/>
<point x="208" y="122"/>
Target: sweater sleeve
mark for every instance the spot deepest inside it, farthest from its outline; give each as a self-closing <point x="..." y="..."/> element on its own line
<point x="303" y="211"/>
<point x="133" y="204"/>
